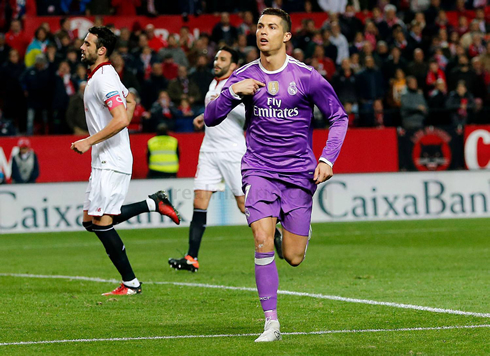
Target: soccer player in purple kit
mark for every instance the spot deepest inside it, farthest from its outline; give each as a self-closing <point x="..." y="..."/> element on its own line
<point x="280" y="172"/>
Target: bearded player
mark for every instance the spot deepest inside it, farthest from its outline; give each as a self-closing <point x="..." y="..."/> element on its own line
<point x="109" y="108"/>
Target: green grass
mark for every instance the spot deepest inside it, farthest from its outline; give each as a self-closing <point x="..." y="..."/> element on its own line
<point x="437" y="263"/>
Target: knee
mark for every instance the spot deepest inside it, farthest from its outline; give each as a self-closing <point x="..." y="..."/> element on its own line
<point x="261" y="238"/>
<point x="88" y="226"/>
<point x="295" y="260"/>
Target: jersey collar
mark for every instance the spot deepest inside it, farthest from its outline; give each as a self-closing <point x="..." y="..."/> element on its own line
<point x="219" y="80"/>
<point x="274" y="71"/>
<point x="91" y="73"/>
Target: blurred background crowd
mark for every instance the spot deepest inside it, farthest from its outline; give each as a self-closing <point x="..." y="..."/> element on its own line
<point x="392" y="63"/>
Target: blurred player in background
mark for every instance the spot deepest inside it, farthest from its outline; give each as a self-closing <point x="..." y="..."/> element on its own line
<point x="279" y="170"/>
<point x="220" y="155"/>
<point x="109" y="108"/>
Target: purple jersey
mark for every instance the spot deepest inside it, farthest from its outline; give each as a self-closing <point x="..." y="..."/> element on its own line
<point x="279" y="118"/>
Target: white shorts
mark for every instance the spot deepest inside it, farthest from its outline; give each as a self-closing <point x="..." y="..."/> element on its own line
<point x="214" y="167"/>
<point x="106" y="192"/>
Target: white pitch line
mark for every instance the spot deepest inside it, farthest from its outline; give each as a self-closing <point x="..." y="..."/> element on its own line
<point x="169" y="337"/>
<point x="285" y="292"/>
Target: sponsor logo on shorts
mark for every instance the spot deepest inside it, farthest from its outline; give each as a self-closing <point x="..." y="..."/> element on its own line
<point x="99" y="210"/>
<point x="247" y="213"/>
<point x="111" y="94"/>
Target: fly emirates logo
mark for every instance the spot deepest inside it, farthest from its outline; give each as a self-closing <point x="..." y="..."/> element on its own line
<point x="274" y="110"/>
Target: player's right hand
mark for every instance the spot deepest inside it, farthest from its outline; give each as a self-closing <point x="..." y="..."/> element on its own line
<point x="198" y="122"/>
<point x="247" y="87"/>
<point x="80" y="146"/>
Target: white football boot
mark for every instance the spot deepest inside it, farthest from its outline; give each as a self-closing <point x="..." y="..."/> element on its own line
<point x="271" y="332"/>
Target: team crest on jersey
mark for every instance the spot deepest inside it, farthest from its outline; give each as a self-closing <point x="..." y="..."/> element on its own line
<point x="273" y="87"/>
<point x="292" y="89"/>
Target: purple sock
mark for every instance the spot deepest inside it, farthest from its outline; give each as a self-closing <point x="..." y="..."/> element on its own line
<point x="267" y="281"/>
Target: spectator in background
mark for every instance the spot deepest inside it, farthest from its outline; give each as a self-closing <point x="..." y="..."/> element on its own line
<point x="140" y="114"/>
<point x="162" y="111"/>
<point x="339" y="40"/>
<point x="224" y="31"/>
<point x="53" y="56"/>
<point x="460" y="104"/>
<point x="155" y="42"/>
<point x="183" y="88"/>
<point x="142" y="43"/>
<point x="75" y="113"/>
<point x="435" y="73"/>
<point x="170" y="70"/>
<point x="64" y="31"/>
<point x="330" y="49"/>
<point x="344" y="83"/>
<point x="413" y="106"/>
<point x="349" y="23"/>
<point x="477" y="46"/>
<point x="202" y="76"/>
<point x="395" y="61"/>
<point x="127" y="77"/>
<point x="381" y="25"/>
<point x="417" y="67"/>
<point x="437" y="105"/>
<point x="467" y="36"/>
<point x="153" y="85"/>
<point x="298" y="54"/>
<point x="186" y="40"/>
<point x="174" y="49"/>
<point x="326" y="67"/>
<point x="143" y="64"/>
<point x="37" y="46"/>
<point x="482" y="81"/>
<point x="247" y="23"/>
<point x="14" y="100"/>
<point x="371" y="32"/>
<point x="80" y="75"/>
<point x="462" y="72"/>
<point x="25" y="166"/>
<point x="370" y="87"/>
<point x="162" y="155"/>
<point x="398" y="87"/>
<point x="16" y="38"/>
<point x="35" y="81"/>
<point x="64" y="88"/>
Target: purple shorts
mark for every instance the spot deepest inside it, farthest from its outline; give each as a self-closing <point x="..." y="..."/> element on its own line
<point x="266" y="197"/>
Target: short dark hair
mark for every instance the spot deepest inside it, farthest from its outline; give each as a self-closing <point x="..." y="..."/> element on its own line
<point x="280" y="13"/>
<point x="234" y="53"/>
<point x="105" y="38"/>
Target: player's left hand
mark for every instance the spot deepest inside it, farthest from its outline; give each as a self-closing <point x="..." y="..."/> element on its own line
<point x="323" y="172"/>
<point x="80" y="146"/>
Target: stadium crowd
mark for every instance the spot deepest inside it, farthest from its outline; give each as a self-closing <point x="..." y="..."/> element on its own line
<point x="402" y="63"/>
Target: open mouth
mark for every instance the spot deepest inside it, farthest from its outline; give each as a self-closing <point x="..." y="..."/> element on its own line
<point x="264" y="40"/>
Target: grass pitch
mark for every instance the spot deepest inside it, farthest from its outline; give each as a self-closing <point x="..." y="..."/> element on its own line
<point x="438" y="264"/>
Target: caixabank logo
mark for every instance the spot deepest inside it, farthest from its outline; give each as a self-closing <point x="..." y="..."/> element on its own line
<point x="477" y="147"/>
